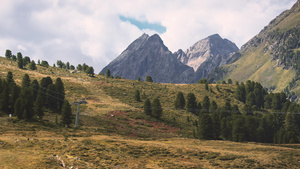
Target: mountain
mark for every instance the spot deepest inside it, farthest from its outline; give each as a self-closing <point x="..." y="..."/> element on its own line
<point x="148" y="55"/>
<point x="272" y="57"/>
<point x="207" y="54"/>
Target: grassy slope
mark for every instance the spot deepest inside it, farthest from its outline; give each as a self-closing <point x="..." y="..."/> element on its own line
<point x="257" y="65"/>
<point x="108" y="137"/>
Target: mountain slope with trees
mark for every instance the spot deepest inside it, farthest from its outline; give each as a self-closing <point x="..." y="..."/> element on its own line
<point x="271" y="57"/>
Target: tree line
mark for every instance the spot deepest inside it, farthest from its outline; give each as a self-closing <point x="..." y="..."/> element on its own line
<point x="33" y="98"/>
<point x="22" y="62"/>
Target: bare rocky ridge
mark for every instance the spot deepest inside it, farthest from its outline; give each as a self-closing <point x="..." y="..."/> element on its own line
<point x="147" y="55"/>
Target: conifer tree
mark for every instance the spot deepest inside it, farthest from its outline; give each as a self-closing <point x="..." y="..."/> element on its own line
<point x="205" y="104"/>
<point x="38" y="106"/>
<point x="206" y="128"/>
<point x="9" y="78"/>
<point x="191" y="104"/>
<point x="4" y="97"/>
<point x="32" y="65"/>
<point x="35" y="88"/>
<point x="179" y="101"/>
<point x="238" y="129"/>
<point x="27" y="97"/>
<point x="20" y="60"/>
<point x="15" y="93"/>
<point x="52" y="98"/>
<point x="26" y="81"/>
<point x="147" y="107"/>
<point x="18" y="108"/>
<point x="60" y="89"/>
<point x="148" y="79"/>
<point x="156" y="108"/>
<point x="66" y="114"/>
<point x="107" y="74"/>
<point x="137" y="95"/>
<point x="206" y="86"/>
<point x="8" y="54"/>
<point x="213" y="107"/>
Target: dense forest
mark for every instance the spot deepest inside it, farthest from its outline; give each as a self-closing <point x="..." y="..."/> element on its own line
<point x="265" y="117"/>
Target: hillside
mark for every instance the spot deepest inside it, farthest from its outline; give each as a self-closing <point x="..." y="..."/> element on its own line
<point x="114" y="131"/>
<point x="270" y="57"/>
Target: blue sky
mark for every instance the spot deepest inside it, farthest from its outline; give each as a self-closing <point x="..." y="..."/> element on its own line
<point x="96" y="32"/>
<point x="144" y="25"/>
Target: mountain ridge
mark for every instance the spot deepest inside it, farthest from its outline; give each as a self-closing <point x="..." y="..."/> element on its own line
<point x="212" y="52"/>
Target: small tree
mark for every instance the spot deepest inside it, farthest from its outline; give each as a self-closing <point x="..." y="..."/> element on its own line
<point x="148" y="79"/>
<point x="66" y="114"/>
<point x="20" y="60"/>
<point x="156" y="108"/>
<point x="26" y="60"/>
<point x="229" y="81"/>
<point x="8" y="54"/>
<point x="137" y="95"/>
<point x="79" y="67"/>
<point x="107" y="74"/>
<point x="60" y="93"/>
<point x="179" y="101"/>
<point x="90" y="71"/>
<point x="38" y="106"/>
<point x="10" y="78"/>
<point x="147" y="107"/>
<point x="191" y="104"/>
<point x="206" y="86"/>
<point x="26" y="81"/>
<point x="32" y="65"/>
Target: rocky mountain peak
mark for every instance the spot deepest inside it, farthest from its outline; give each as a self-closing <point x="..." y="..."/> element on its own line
<point x="207" y="48"/>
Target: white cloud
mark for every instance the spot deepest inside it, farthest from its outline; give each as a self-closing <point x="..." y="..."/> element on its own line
<point x="91" y="32"/>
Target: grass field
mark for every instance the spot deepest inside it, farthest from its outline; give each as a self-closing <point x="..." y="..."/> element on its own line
<point x="115" y="133"/>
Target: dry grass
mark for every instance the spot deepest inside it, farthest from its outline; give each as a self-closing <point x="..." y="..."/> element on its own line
<point x="115" y="133"/>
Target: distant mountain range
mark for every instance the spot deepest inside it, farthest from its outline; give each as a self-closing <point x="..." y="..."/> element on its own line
<point x="272" y="58"/>
<point x="148" y="55"/>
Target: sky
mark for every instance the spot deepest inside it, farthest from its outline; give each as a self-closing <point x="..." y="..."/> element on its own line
<point x="96" y="31"/>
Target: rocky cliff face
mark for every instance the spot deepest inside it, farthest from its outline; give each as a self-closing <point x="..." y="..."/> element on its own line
<point x="149" y="56"/>
<point x="207" y="54"/>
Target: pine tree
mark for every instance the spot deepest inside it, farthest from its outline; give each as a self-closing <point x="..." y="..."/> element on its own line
<point x="32" y="65"/>
<point x="229" y="81"/>
<point x="15" y="93"/>
<point x="206" y="128"/>
<point x="90" y="71"/>
<point x="137" y="95"/>
<point x="240" y="93"/>
<point x="35" y="88"/>
<point x="10" y="78"/>
<point x="238" y="129"/>
<point x="60" y="89"/>
<point x="147" y="107"/>
<point x="156" y="108"/>
<point x="4" y="97"/>
<point x="8" y="54"/>
<point x="206" y="86"/>
<point x="52" y="98"/>
<point x="179" y="101"/>
<point x="38" y="106"/>
<point x="149" y="79"/>
<point x="26" y="81"/>
<point x="18" y="108"/>
<point x="205" y="104"/>
<point x="20" y="60"/>
<point x="107" y="74"/>
<point x="250" y="100"/>
<point x="66" y="114"/>
<point x="191" y="104"/>
<point x="213" y="107"/>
